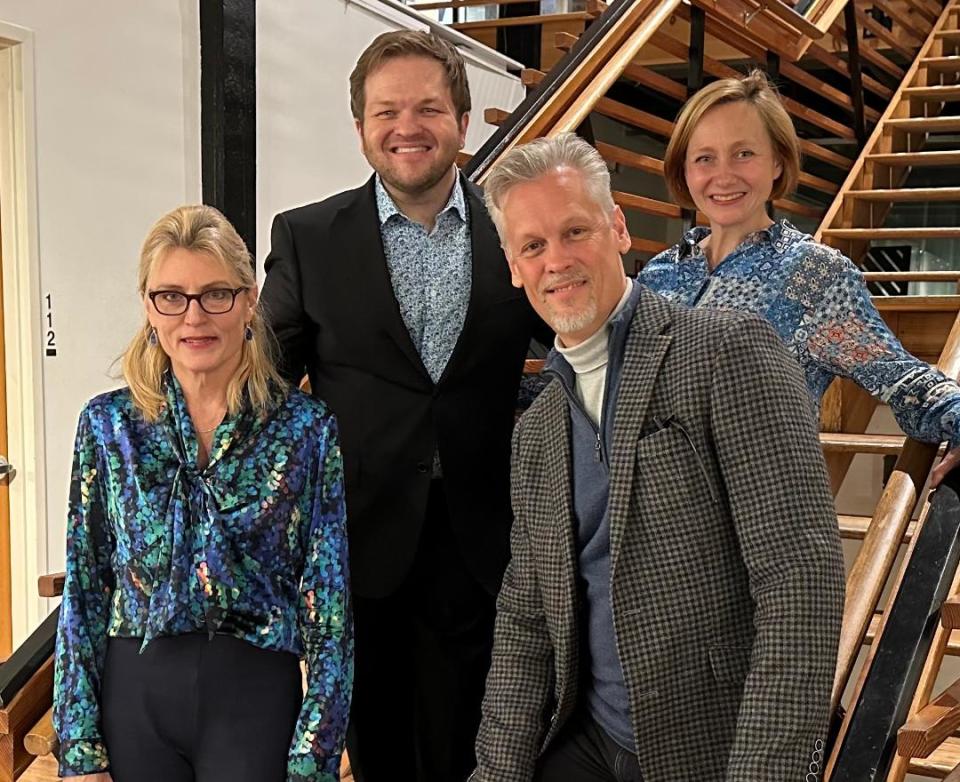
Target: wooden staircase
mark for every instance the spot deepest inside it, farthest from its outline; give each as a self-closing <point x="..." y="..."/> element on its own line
<point x="854" y="187"/>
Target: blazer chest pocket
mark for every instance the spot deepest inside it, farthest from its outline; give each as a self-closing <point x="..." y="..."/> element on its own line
<point x="670" y="454"/>
<point x="730" y="664"/>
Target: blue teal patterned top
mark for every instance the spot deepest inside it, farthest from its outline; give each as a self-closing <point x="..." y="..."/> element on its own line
<point x="817" y="301"/>
<point x="430" y="273"/>
<point x="254" y="544"/>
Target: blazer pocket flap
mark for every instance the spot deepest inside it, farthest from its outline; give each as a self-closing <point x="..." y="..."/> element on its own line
<point x="730" y="664"/>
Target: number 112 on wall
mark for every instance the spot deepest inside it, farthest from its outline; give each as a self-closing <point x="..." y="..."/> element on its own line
<point x="50" y="336"/>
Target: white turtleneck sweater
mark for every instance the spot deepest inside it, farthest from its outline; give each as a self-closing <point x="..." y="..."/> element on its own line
<point x="589" y="362"/>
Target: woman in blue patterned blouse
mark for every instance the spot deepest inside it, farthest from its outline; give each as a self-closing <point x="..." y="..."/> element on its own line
<point x="206" y="548"/>
<point x="733" y="149"/>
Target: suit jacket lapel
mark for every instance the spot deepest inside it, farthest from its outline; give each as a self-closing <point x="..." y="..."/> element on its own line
<point x="643" y="354"/>
<point x="359" y="224"/>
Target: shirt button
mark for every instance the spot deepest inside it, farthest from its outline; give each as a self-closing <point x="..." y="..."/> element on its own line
<point x="422" y="468"/>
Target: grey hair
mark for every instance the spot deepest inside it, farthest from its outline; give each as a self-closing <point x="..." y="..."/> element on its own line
<point x="539" y="157"/>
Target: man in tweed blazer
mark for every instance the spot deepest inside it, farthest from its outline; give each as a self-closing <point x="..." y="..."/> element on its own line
<point x="672" y="609"/>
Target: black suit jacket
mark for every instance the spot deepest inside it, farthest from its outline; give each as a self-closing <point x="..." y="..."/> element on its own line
<point x="330" y="301"/>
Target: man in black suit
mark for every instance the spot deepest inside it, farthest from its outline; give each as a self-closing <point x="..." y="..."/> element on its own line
<point x="395" y="298"/>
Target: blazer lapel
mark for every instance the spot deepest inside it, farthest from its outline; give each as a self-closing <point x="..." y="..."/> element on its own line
<point x="643" y="354"/>
<point x="556" y="447"/>
<point x="359" y="224"/>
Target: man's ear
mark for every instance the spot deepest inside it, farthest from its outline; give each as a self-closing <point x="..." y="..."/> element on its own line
<point x="464" y="122"/>
<point x="620" y="228"/>
<point x="358" y="125"/>
<point x="515" y="278"/>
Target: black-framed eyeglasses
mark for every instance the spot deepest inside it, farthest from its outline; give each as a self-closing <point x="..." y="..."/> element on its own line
<point x="215" y="301"/>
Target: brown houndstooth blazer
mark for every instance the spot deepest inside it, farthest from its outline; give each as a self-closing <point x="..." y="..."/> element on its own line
<point x="726" y="574"/>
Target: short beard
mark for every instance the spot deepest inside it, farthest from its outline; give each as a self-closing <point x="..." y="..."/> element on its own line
<point x="574" y="321"/>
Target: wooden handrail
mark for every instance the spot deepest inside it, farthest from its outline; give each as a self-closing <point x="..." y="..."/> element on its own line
<point x="42" y="739"/>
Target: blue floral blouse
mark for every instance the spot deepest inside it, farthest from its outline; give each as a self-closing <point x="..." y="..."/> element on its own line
<point x="818" y="303"/>
<point x="253" y="544"/>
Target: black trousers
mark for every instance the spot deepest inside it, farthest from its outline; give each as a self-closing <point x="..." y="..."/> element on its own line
<point x="583" y="752"/>
<point x="191" y="709"/>
<point x="421" y="660"/>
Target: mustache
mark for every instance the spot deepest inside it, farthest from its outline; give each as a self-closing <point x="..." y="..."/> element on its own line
<point x="559" y="280"/>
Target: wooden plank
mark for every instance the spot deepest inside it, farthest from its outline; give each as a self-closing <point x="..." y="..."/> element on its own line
<point x="950" y="613"/>
<point x="647" y="246"/>
<point x="625" y="157"/>
<point x="655" y="81"/>
<point x="533" y="366"/>
<point x="881" y="32"/>
<point x="908" y="194"/>
<point x="874" y="57"/>
<point x="893" y="233"/>
<point x="817" y="183"/>
<point x="634" y="117"/>
<point x="796" y="74"/>
<point x="935" y="92"/>
<point x="942" y="761"/>
<point x="913" y="276"/>
<point x="919" y="28"/>
<point x="432" y="6"/>
<point x="824" y="154"/>
<point x="796" y="208"/>
<point x="948" y="158"/>
<point x="517" y="21"/>
<point x="531" y="77"/>
<point x="948" y="124"/>
<point x="925" y="731"/>
<point x="952" y="36"/>
<point x="948" y="64"/>
<point x="828" y="58"/>
<point x="646" y="205"/>
<point x="917" y="304"/>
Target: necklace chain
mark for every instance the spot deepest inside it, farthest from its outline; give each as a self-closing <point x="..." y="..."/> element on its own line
<point x="212" y="428"/>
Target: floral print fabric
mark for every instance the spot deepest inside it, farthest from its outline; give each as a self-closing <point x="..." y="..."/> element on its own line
<point x="254" y="545"/>
<point x="818" y="303"/>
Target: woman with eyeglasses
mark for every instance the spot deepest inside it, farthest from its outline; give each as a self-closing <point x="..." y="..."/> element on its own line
<point x="206" y="548"/>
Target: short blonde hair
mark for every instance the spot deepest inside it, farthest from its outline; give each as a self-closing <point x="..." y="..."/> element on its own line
<point x="200" y="229"/>
<point x="756" y="90"/>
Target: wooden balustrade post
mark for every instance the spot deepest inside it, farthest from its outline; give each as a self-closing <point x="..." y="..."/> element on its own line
<point x="695" y="60"/>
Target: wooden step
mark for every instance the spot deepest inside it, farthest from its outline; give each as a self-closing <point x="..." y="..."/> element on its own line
<point x="925" y="124"/>
<point x="842" y="442"/>
<point x="947" y="158"/>
<point x="948" y="64"/>
<point x="935" y="92"/>
<point x="907" y="194"/>
<point x="855" y="527"/>
<point x="625" y="157"/>
<point x="635" y="117"/>
<point x="953" y="36"/>
<point x="917" y="303"/>
<point x="941" y="762"/>
<point x="913" y="276"/>
<point x="648" y="246"/>
<point x="646" y="205"/>
<point x="869" y="234"/>
<point x="818" y="183"/>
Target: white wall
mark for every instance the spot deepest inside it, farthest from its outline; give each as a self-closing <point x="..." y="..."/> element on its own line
<point x="307" y="147"/>
<point x="117" y="119"/>
<point x="116" y="112"/>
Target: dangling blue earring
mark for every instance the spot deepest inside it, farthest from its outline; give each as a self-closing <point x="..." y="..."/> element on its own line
<point x="248" y="333"/>
<point x="153" y="339"/>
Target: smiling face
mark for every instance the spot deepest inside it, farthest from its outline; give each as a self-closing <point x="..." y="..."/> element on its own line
<point x="731" y="166"/>
<point x="564" y="251"/>
<point x="410" y="133"/>
<point x="197" y="342"/>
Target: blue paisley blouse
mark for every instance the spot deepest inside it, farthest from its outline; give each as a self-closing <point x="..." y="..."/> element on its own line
<point x="254" y="544"/>
<point x="818" y="303"/>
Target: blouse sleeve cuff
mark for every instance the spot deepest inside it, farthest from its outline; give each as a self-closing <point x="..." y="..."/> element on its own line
<point x="83" y="756"/>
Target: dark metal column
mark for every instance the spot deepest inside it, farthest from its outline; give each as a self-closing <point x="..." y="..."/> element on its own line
<point x="856" y="84"/>
<point x="228" y="111"/>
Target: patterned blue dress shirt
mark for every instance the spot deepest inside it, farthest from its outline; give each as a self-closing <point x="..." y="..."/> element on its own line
<point x="818" y="303"/>
<point x="430" y="272"/>
<point x="253" y="544"/>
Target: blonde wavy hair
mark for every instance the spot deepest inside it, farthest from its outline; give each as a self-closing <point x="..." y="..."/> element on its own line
<point x="200" y="229"/>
